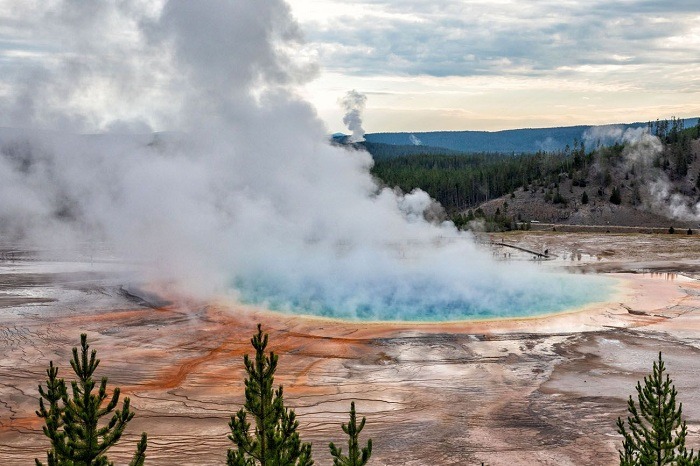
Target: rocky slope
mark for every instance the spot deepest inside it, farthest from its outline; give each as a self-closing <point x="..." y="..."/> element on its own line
<point x="650" y="195"/>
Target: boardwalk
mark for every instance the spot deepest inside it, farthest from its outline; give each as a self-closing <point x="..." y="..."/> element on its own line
<point x="519" y="248"/>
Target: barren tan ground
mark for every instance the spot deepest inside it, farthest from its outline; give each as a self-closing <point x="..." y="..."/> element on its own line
<point x="517" y="392"/>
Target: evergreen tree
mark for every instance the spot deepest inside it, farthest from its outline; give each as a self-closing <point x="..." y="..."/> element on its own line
<point x="607" y="179"/>
<point x="616" y="197"/>
<point x="559" y="199"/>
<point x="584" y="198"/>
<point x="72" y="420"/>
<point x="356" y="456"/>
<point x="55" y="392"/>
<point x="655" y="433"/>
<point x="274" y="440"/>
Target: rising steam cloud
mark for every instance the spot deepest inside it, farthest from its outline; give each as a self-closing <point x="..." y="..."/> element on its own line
<point x="354" y="104"/>
<point x="660" y="194"/>
<point x="243" y="194"/>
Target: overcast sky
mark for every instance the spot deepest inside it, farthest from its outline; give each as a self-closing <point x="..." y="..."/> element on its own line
<point x="497" y="64"/>
<point x="423" y="64"/>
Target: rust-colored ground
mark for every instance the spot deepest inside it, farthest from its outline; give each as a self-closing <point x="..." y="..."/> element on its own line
<point x="512" y="392"/>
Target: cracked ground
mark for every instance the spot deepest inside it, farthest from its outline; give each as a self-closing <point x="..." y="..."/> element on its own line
<point x="510" y="392"/>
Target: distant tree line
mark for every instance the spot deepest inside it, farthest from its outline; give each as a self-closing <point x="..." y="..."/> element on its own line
<point x="677" y="154"/>
<point x="381" y="151"/>
<point x="459" y="182"/>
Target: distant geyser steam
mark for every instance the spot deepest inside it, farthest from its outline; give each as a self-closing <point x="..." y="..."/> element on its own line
<point x="243" y="195"/>
<point x="354" y="104"/>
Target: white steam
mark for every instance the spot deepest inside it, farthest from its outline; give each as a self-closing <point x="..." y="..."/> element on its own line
<point x="354" y="104"/>
<point x="612" y="134"/>
<point x="641" y="151"/>
<point x="675" y="204"/>
<point x="244" y="192"/>
<point x="417" y="205"/>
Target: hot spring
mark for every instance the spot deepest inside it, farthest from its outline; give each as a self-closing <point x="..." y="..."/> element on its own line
<point x="422" y="299"/>
<point x="432" y="293"/>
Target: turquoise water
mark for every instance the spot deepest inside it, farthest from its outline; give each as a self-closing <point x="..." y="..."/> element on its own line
<point x="425" y="298"/>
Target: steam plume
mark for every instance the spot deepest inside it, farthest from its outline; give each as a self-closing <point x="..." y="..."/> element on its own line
<point x="354" y="104"/>
<point x="612" y="134"/>
<point x="244" y="194"/>
<point x="640" y="153"/>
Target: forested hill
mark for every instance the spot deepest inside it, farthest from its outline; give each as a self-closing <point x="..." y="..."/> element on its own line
<point x="576" y="184"/>
<point x="527" y="140"/>
<point x="382" y="151"/>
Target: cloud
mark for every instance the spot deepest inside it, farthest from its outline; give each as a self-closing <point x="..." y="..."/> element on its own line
<point x="514" y="37"/>
<point x="511" y="63"/>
